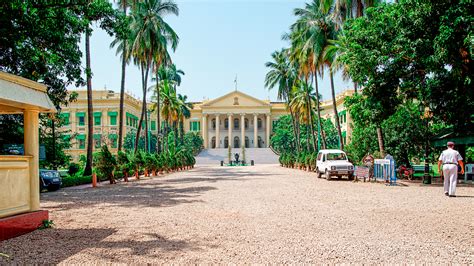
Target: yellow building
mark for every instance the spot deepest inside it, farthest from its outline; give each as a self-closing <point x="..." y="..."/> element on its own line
<point x="106" y="119"/>
<point x="251" y="119"/>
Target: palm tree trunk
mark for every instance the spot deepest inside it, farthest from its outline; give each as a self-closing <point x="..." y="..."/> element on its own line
<point x="90" y="111"/>
<point x="139" y="129"/>
<point x="355" y="88"/>
<point x="158" y="121"/>
<point x="320" y="126"/>
<point x="122" y="96"/>
<point x="311" y="120"/>
<point x="336" y="116"/>
<point x="308" y="138"/>
<point x="380" y="140"/>
<point x="293" y="120"/>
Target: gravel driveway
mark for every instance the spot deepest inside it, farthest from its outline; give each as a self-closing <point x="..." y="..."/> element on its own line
<point x="250" y="215"/>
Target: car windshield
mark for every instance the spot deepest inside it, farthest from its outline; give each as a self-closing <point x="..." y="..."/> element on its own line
<point x="336" y="156"/>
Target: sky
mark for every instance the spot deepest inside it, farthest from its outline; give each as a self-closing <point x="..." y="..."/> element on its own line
<point x="219" y="40"/>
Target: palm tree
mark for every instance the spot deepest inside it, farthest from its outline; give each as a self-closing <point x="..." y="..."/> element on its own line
<point x="282" y="75"/>
<point x="122" y="42"/>
<point x="185" y="108"/>
<point x="151" y="38"/>
<point x="301" y="93"/>
<point x="90" y="111"/>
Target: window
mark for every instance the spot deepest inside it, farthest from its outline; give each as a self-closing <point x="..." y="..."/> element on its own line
<point x="194" y="125"/>
<point x="153" y="125"/>
<point x="236" y="123"/>
<point x="213" y="123"/>
<point x="65" y="119"/>
<point x="97" y="116"/>
<point x="246" y="121"/>
<point x="97" y="141"/>
<point x="113" y="118"/>
<point x="113" y="140"/>
<point x="319" y="156"/>
<point x="81" y="141"/>
<point x="81" y="121"/>
<point x="259" y="123"/>
<point x="226" y="123"/>
<point x="336" y="156"/>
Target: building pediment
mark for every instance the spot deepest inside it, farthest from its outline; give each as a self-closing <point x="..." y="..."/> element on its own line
<point x="235" y="98"/>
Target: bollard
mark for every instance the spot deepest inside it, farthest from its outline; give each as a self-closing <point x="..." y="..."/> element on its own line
<point x="94" y="180"/>
<point x="222" y="163"/>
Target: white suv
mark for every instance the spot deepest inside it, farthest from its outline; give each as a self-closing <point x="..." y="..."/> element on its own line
<point x="334" y="163"/>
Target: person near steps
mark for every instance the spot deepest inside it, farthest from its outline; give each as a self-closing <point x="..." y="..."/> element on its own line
<point x="449" y="160"/>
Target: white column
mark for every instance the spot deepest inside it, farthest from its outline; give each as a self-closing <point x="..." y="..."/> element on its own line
<point x="255" y="131"/>
<point x="242" y="130"/>
<point x="204" y="130"/>
<point x="217" y="131"/>
<point x="230" y="129"/>
<point x="268" y="130"/>
<point x="31" y="147"/>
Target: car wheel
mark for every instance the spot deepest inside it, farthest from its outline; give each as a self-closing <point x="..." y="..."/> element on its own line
<point x="53" y="188"/>
<point x="318" y="174"/>
<point x="328" y="176"/>
<point x="339" y="177"/>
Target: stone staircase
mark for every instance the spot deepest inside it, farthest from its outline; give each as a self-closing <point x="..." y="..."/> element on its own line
<point x="259" y="155"/>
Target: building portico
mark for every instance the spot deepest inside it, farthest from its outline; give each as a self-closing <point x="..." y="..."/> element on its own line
<point x="236" y="120"/>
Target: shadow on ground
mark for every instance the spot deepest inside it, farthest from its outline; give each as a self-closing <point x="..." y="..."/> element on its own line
<point x="68" y="242"/>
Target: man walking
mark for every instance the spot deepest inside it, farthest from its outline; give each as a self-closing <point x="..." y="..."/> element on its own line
<point x="450" y="159"/>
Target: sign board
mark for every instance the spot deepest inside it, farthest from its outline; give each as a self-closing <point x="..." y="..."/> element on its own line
<point x="362" y="172"/>
<point x="14" y="149"/>
<point x="382" y="161"/>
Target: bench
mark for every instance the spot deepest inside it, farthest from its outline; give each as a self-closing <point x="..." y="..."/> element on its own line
<point x="468" y="170"/>
<point x="421" y="169"/>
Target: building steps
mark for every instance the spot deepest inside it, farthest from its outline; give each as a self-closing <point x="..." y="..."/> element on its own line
<point x="259" y="155"/>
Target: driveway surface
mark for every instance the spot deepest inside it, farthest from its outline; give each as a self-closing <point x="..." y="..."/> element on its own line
<point x="260" y="214"/>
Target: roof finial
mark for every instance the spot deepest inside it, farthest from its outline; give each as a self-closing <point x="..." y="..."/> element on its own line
<point x="235" y="81"/>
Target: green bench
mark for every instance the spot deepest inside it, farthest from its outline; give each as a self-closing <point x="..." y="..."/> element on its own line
<point x="421" y="169"/>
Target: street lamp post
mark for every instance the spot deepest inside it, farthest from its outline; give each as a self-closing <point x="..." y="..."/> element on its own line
<point x="426" y="174"/>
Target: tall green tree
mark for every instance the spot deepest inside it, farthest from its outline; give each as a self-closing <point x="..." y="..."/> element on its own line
<point x="100" y="11"/>
<point x="152" y="37"/>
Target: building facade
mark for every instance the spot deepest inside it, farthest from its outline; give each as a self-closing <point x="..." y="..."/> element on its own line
<point x="234" y="119"/>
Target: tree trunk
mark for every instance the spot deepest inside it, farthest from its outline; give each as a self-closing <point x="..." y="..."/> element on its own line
<point x="336" y="116"/>
<point x="293" y="120"/>
<point x="53" y="131"/>
<point x="144" y="110"/>
<point x="380" y="140"/>
<point x="311" y="120"/>
<point x="122" y="96"/>
<point x="320" y="126"/>
<point x="158" y="109"/>
<point x="360" y="9"/>
<point x="90" y="111"/>
<point x="355" y="88"/>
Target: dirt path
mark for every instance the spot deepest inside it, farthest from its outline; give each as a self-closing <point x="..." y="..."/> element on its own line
<point x="250" y="215"/>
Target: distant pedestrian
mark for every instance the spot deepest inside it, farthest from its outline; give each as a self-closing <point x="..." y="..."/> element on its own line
<point x="450" y="159"/>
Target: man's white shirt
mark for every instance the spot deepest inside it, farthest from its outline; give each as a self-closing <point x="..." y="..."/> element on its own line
<point x="450" y="156"/>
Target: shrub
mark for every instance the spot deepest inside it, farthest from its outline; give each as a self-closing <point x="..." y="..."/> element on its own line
<point x="73" y="168"/>
<point x="105" y="164"/>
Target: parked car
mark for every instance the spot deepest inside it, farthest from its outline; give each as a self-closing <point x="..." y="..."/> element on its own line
<point x="334" y="163"/>
<point x="50" y="180"/>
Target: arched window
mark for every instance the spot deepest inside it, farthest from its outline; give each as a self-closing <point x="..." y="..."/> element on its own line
<point x="259" y="123"/>
<point x="213" y="142"/>
<point x="246" y="123"/>
<point x="236" y="123"/>
<point x="236" y="142"/>
<point x="213" y="123"/>
<point x="226" y="142"/>
<point x="247" y="142"/>
<point x="260" y="142"/>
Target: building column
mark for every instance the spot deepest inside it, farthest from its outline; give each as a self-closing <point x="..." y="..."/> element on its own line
<point x="242" y="130"/>
<point x="255" y="130"/>
<point x="31" y="148"/>
<point x="204" y="130"/>
<point x="230" y="129"/>
<point x="267" y="128"/>
<point x="217" y="131"/>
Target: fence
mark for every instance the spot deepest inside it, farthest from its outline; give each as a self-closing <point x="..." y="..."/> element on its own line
<point x="385" y="169"/>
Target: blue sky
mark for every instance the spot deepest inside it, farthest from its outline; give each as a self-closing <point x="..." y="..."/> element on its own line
<point x="219" y="39"/>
